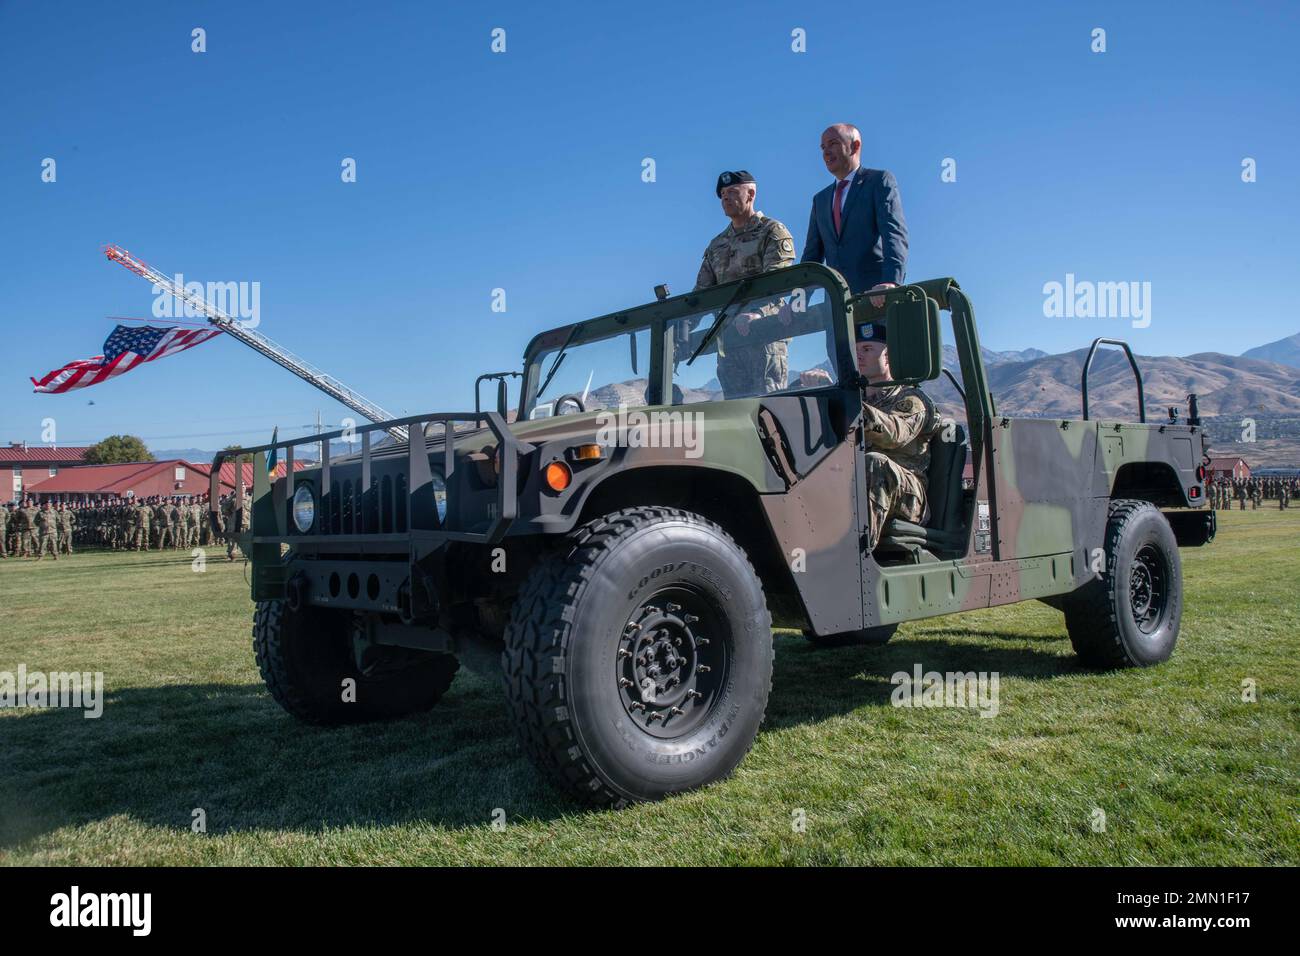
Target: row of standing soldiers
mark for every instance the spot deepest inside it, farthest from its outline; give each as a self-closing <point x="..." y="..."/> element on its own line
<point x="120" y="524"/>
<point x="1221" y="492"/>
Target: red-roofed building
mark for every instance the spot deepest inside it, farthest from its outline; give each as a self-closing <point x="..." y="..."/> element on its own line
<point x="23" y="466"/>
<point x="142" y="479"/>
<point x="1232" y="468"/>
<point x="228" y="472"/>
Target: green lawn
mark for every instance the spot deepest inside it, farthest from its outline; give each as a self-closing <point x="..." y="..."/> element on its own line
<point x="1184" y="770"/>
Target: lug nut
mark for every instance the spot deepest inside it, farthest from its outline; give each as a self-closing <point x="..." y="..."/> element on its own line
<point x="674" y="608"/>
<point x="624" y="682"/>
<point x="676" y="711"/>
<point x="624" y="652"/>
<point x="690" y="618"/>
<point x="653" y="716"/>
<point x="694" y="694"/>
<point x="704" y="668"/>
<point x="702" y="641"/>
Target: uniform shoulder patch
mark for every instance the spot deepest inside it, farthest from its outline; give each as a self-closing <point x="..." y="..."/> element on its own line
<point x="909" y="405"/>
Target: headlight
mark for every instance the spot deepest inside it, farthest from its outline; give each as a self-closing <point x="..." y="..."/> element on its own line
<point x="304" y="508"/>
<point x="440" y="496"/>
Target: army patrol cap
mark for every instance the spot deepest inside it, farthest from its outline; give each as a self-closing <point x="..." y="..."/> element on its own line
<point x="871" y="332"/>
<point x="733" y="177"/>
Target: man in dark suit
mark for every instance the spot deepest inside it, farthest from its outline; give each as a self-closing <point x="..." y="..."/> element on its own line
<point x="857" y="225"/>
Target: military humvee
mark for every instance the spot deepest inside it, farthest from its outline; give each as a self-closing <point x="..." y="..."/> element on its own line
<point x="624" y="546"/>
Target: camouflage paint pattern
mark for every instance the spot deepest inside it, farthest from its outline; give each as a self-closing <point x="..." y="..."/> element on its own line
<point x="1046" y="484"/>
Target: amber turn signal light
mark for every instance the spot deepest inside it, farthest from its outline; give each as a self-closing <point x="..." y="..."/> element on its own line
<point x="558" y="476"/>
<point x="586" y="453"/>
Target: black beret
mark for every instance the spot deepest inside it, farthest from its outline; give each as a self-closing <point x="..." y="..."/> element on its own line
<point x="733" y="177"/>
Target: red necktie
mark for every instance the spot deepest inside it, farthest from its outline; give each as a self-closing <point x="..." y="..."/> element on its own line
<point x="837" y="207"/>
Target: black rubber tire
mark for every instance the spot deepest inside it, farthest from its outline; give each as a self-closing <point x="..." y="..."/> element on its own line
<point x="305" y="656"/>
<point x="1100" y="617"/>
<point x="567" y="627"/>
<point x="866" y="637"/>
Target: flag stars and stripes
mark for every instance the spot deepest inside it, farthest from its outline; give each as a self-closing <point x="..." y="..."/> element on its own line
<point x="125" y="348"/>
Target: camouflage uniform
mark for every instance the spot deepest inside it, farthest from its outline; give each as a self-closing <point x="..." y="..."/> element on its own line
<point x="27" y="530"/>
<point x="176" y="515"/>
<point x="141" y="518"/>
<point x="761" y="246"/>
<point x="46" y="524"/>
<point x="899" y="420"/>
<point x="162" y="525"/>
<point x="4" y="530"/>
<point x="235" y="519"/>
<point x="67" y="524"/>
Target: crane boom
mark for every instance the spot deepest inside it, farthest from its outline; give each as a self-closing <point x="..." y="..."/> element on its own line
<point x="259" y="343"/>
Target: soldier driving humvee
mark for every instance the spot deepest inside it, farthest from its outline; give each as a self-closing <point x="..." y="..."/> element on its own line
<point x="900" y="421"/>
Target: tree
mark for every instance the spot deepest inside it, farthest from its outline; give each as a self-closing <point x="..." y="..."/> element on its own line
<point x="245" y="459"/>
<point x="118" y="449"/>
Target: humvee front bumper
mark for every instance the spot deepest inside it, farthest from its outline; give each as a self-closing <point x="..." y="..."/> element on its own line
<point x="375" y="515"/>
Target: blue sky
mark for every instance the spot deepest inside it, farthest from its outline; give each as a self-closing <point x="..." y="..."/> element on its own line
<point x="522" y="171"/>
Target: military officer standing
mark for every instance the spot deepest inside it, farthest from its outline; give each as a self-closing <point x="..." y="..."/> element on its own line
<point x="47" y="530"/>
<point x="751" y="245"/>
<point x="5" y="511"/>
<point x="27" y="530"/>
<point x="67" y="524"/>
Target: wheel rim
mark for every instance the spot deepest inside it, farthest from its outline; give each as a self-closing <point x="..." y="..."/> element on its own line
<point x="1148" y="589"/>
<point x="672" y="662"/>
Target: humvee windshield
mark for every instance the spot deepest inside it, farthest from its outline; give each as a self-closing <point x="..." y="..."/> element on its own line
<point x="764" y="345"/>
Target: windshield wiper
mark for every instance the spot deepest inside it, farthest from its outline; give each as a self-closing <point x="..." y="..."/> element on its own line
<point x="559" y="357"/>
<point x="722" y="319"/>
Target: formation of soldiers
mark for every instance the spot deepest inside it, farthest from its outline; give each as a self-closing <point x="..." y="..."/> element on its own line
<point x="120" y="524"/>
<point x="1222" y="492"/>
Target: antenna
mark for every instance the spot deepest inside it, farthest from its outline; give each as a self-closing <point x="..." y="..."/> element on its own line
<point x="259" y="343"/>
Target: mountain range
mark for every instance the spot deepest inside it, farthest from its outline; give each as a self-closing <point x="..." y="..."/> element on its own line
<point x="1049" y="386"/>
<point x="1263" y="382"/>
<point x="1284" y="351"/>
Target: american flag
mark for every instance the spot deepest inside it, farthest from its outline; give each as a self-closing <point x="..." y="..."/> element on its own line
<point x="125" y="348"/>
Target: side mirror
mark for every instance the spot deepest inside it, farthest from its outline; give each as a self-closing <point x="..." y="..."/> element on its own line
<point x="503" y="398"/>
<point x="912" y="330"/>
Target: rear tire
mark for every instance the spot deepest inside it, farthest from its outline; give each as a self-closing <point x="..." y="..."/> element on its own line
<point x="638" y="657"/>
<point x="1130" y="616"/>
<point x="865" y="637"/>
<point x="305" y="656"/>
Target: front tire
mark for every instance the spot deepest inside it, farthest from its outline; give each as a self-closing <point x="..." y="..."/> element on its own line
<point x="1130" y="616"/>
<point x="305" y="656"/>
<point x="638" y="657"/>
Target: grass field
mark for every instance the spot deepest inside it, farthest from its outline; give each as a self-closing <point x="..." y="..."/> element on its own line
<point x="1184" y="770"/>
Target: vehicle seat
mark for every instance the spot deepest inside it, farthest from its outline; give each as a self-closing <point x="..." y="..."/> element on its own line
<point x="944" y="531"/>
